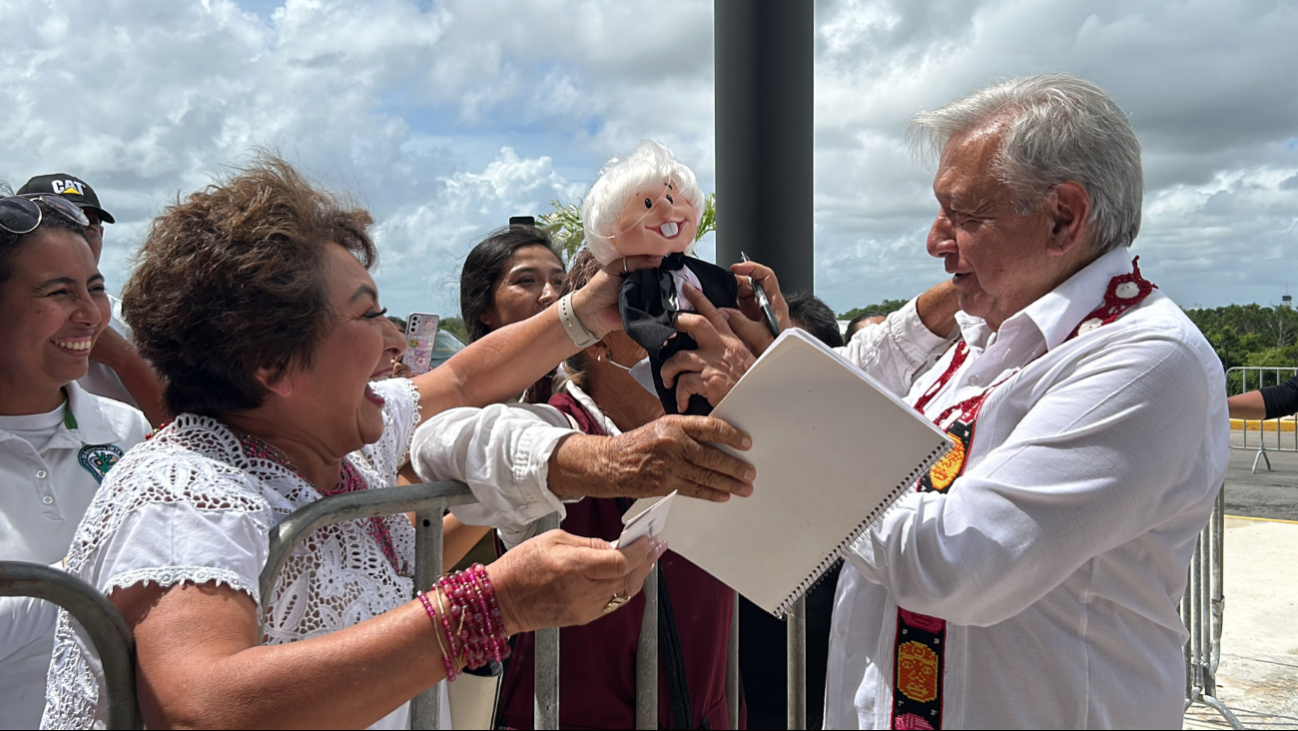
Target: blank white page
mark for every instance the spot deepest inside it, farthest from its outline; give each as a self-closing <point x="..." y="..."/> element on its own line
<point x="832" y="451"/>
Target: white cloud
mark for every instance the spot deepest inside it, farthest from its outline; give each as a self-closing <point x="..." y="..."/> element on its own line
<point x="424" y="244"/>
<point x="1208" y="86"/>
<point x="448" y="116"/>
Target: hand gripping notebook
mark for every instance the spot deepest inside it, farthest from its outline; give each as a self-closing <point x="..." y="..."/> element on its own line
<point x="832" y="449"/>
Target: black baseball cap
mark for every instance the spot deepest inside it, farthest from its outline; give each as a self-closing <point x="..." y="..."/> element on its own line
<point x="73" y="188"/>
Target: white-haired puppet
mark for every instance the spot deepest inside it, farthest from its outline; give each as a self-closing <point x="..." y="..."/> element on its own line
<point x="649" y="205"/>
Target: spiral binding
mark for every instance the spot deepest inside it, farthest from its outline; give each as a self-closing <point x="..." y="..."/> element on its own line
<point x="882" y="508"/>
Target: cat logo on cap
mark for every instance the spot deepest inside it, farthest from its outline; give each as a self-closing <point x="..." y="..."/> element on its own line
<point x="63" y="187"/>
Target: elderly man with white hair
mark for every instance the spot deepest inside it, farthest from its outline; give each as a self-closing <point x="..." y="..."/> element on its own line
<point x="1032" y="578"/>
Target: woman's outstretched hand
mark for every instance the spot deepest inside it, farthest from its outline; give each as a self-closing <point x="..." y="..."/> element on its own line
<point x="596" y="303"/>
<point x="557" y="579"/>
<point x="669" y="453"/>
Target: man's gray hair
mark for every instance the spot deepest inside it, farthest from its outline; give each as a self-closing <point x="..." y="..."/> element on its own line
<point x="1058" y="127"/>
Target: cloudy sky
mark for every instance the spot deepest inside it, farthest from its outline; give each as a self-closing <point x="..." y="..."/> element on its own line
<point x="446" y="117"/>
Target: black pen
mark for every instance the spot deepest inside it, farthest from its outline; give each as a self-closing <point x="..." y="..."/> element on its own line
<point x="768" y="314"/>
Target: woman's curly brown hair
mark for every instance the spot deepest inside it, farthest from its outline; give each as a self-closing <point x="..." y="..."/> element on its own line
<point x="231" y="279"/>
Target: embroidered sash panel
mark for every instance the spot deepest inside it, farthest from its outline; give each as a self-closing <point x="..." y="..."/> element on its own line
<point x="919" y="660"/>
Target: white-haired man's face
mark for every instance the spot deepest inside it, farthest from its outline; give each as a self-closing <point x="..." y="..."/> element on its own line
<point x="655" y="222"/>
<point x="1000" y="260"/>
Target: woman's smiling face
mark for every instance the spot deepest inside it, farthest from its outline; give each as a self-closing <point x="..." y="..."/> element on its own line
<point x="53" y="307"/>
<point x="335" y="402"/>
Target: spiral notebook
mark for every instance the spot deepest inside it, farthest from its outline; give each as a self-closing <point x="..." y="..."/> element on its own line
<point x="833" y="451"/>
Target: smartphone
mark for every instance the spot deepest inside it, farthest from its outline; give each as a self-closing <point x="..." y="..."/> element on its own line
<point x="421" y="334"/>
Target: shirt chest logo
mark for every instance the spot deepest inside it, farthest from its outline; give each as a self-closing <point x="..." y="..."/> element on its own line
<point x="97" y="459"/>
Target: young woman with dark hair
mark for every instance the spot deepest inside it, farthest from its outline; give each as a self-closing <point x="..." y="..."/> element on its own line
<point x="509" y="276"/>
<point x="600" y="398"/>
<point x="57" y="441"/>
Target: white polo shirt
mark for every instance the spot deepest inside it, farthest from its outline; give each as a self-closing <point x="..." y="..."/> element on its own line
<point x="45" y="493"/>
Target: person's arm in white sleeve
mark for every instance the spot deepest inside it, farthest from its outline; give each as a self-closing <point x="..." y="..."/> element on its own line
<point x="1065" y="486"/>
<point x="910" y="338"/>
<point x="520" y="460"/>
<point x="502" y="452"/>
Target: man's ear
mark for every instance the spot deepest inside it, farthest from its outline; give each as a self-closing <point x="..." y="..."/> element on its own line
<point x="1068" y="205"/>
<point x="598" y="350"/>
<point x="280" y="385"/>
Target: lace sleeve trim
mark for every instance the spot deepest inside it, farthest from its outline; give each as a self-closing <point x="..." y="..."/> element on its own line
<point x="412" y="392"/>
<point x="169" y="576"/>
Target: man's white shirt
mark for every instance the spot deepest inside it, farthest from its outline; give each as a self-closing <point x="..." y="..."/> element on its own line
<point x="1059" y="557"/>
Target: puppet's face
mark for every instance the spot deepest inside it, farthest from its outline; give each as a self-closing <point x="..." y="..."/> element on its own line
<point x="655" y="222"/>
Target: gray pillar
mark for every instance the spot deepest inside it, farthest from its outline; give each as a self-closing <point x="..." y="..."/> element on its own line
<point x="764" y="98"/>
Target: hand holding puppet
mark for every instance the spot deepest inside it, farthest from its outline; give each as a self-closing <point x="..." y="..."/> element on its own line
<point x="649" y="205"/>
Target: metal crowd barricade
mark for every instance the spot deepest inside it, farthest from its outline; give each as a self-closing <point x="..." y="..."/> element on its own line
<point x="1251" y="378"/>
<point x="429" y="501"/>
<point x="116" y="646"/>
<point x="1201" y="610"/>
<point x="100" y="620"/>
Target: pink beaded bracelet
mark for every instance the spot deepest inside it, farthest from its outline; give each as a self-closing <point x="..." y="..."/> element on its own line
<point x="446" y="653"/>
<point x="469" y="616"/>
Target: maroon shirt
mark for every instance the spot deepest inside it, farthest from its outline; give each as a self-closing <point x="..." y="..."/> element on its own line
<point x="597" y="661"/>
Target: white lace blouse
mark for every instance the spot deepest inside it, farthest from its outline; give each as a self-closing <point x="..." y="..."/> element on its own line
<point x="188" y="506"/>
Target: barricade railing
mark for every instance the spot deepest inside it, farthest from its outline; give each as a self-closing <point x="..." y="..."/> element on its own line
<point x="429" y="502"/>
<point x="1202" y="609"/>
<point x="1242" y="379"/>
<point x="102" y="624"/>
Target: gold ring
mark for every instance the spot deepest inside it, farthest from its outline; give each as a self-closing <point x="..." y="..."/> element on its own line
<point x="615" y="602"/>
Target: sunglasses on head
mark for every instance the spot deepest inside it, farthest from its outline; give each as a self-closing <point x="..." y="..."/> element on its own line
<point x="19" y="214"/>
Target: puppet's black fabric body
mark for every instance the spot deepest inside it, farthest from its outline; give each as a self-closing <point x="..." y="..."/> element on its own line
<point x="648" y="303"/>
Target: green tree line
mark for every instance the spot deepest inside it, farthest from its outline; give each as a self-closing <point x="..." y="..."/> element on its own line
<point x="1251" y="335"/>
<point x="886" y="307"/>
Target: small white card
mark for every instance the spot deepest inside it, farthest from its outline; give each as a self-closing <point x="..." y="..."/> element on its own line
<point x="649" y="522"/>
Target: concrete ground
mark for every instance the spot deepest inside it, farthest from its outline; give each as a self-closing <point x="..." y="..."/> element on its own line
<point x="1267" y="494"/>
<point x="1258" y="674"/>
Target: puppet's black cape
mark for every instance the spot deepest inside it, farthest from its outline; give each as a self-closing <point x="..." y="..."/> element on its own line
<point x="648" y="305"/>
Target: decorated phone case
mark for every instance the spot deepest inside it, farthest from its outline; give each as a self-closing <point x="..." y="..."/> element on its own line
<point x="421" y="330"/>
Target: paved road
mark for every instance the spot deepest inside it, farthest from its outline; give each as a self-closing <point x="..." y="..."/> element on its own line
<point x="1267" y="494"/>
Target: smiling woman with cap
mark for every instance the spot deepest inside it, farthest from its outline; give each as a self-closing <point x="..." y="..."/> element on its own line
<point x="116" y="369"/>
<point x="56" y="440"/>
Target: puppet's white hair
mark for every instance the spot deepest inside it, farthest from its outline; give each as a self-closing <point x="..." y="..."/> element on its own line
<point x="651" y="164"/>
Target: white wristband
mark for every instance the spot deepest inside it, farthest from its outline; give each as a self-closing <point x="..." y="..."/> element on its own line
<point x="581" y="337"/>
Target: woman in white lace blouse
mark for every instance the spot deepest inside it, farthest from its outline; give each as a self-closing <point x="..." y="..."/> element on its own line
<point x="252" y="298"/>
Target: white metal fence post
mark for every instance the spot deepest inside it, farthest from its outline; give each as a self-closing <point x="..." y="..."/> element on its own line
<point x="646" y="657"/>
<point x="545" y="707"/>
<point x="426" y="708"/>
<point x="1201" y="610"/>
<point x="796" y="667"/>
